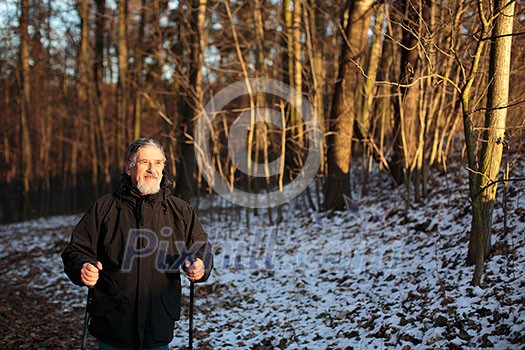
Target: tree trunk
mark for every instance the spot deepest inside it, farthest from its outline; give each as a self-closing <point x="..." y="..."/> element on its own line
<point x="46" y="127"/>
<point x="343" y="111"/>
<point x="363" y="121"/>
<point x="288" y="43"/>
<point x="363" y="117"/>
<point x="100" y="100"/>
<point x="476" y="240"/>
<point x="318" y="74"/>
<point x="447" y="126"/>
<point x="193" y="102"/>
<point x="296" y="110"/>
<point x="139" y="62"/>
<point x="383" y="103"/>
<point x="123" y="77"/>
<point x="25" y="96"/>
<point x="494" y="134"/>
<point x="262" y="131"/>
<point x="86" y="94"/>
<point x="428" y="94"/>
<point x="405" y="97"/>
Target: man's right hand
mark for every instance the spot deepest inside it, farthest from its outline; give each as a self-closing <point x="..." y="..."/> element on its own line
<point x="89" y="273"/>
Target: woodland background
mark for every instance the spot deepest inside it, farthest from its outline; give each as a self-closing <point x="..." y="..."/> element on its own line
<point x="402" y="87"/>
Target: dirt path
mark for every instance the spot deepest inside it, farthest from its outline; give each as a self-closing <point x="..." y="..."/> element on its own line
<point x="29" y="321"/>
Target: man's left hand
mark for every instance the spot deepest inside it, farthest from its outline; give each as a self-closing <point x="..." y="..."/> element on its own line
<point x="194" y="271"/>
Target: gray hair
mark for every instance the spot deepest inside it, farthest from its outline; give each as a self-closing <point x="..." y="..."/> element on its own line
<point x="136" y="145"/>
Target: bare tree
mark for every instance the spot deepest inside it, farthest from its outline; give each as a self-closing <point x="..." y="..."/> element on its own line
<point x="288" y="65"/>
<point x="139" y="64"/>
<point x="100" y="101"/>
<point x="123" y="75"/>
<point x="86" y="93"/>
<point x="296" y="111"/>
<point x="314" y="25"/>
<point x="485" y="175"/>
<point x="25" y="98"/>
<point x="59" y="92"/>
<point x="342" y="118"/>
<point x="192" y="104"/>
<point x="363" y="116"/>
<point x="406" y="93"/>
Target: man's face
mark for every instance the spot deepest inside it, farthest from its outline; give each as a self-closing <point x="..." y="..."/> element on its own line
<point x="146" y="173"/>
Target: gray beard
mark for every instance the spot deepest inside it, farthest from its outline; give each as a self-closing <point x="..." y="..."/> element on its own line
<point x="146" y="189"/>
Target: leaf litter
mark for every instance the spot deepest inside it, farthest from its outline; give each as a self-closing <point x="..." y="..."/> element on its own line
<point x="377" y="276"/>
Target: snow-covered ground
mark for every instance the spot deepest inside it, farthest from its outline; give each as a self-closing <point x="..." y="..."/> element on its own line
<point x="375" y="277"/>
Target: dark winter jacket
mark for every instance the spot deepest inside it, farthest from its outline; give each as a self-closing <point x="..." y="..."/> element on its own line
<point x="138" y="294"/>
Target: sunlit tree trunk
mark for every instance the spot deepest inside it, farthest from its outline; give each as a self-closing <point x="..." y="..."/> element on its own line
<point x="139" y="62"/>
<point x="86" y="93"/>
<point x="367" y="95"/>
<point x="174" y="131"/>
<point x="251" y="103"/>
<point x="318" y="75"/>
<point x="296" y="111"/>
<point x="25" y="96"/>
<point x="445" y="122"/>
<point x="123" y="76"/>
<point x="261" y="134"/>
<point x="468" y="129"/>
<point x="342" y="118"/>
<point x="363" y="122"/>
<point x="405" y="95"/>
<point x="46" y="129"/>
<point x="288" y="43"/>
<point x="383" y="105"/>
<point x="314" y="47"/>
<point x="427" y="113"/>
<point x="493" y="136"/>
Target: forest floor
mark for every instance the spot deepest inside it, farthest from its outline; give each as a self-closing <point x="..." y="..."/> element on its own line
<point x="32" y="313"/>
<point x="377" y="276"/>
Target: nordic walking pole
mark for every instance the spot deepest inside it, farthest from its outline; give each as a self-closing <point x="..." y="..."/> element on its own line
<point x="191" y="259"/>
<point x="192" y="295"/>
<point x="86" y="319"/>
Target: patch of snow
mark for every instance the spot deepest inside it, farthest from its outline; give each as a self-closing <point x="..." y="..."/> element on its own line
<point x="378" y="276"/>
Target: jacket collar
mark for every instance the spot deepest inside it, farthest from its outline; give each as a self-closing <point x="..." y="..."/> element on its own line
<point x="125" y="191"/>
